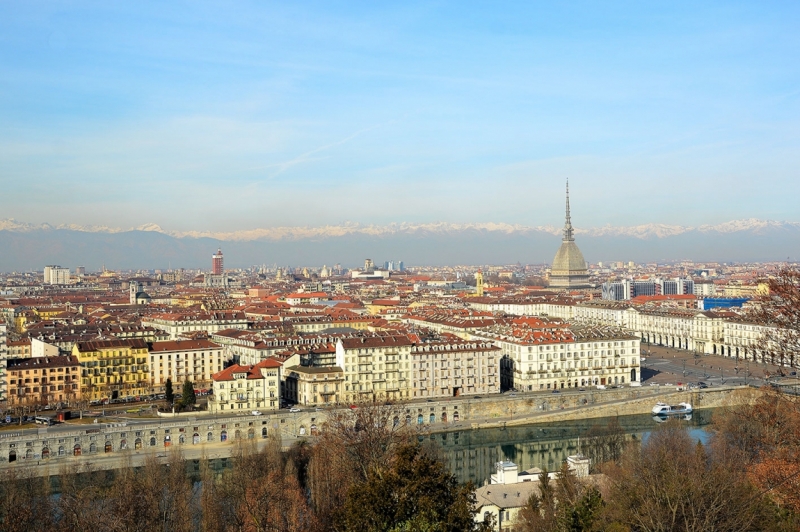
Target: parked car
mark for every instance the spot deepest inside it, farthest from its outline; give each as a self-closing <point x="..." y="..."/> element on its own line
<point x="556" y="391"/>
<point x="256" y="413"/>
<point x="294" y="410"/>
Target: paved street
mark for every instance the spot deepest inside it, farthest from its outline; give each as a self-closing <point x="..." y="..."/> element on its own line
<point x="666" y="365"/>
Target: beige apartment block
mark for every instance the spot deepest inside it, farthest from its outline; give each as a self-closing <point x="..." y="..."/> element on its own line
<point x="375" y="367"/>
<point x="314" y="385"/>
<point x="242" y="388"/>
<point x="451" y="369"/>
<point x="182" y="360"/>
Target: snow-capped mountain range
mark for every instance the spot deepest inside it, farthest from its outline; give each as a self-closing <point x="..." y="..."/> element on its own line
<point x="25" y="246"/>
<point x="645" y="231"/>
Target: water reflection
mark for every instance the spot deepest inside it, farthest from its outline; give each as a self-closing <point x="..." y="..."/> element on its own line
<point x="472" y="454"/>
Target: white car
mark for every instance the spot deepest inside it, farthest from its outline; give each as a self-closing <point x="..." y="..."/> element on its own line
<point x="256" y="413"/>
<point x="294" y="410"/>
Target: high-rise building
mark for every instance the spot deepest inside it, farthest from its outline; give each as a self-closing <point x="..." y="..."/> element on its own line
<point x="56" y="275"/>
<point x="616" y="291"/>
<point x="216" y="263"/>
<point x="569" y="267"/>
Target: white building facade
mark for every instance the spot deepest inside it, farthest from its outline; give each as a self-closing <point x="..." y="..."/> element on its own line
<point x="182" y="360"/>
<point x="242" y="388"/>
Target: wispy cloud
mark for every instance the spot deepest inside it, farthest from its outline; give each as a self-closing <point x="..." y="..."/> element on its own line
<point x="309" y="155"/>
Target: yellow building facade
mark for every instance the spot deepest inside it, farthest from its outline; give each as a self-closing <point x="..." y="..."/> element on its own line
<point x="112" y="369"/>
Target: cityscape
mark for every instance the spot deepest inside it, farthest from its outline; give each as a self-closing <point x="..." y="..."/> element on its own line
<point x="399" y="268"/>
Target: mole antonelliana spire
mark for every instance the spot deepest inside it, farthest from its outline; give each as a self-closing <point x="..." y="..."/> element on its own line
<point x="569" y="267"/>
<point x="568" y="224"/>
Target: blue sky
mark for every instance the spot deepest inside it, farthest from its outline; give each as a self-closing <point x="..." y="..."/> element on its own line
<point x="235" y="115"/>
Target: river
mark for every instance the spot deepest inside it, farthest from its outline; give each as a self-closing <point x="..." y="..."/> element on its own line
<point x="472" y="454"/>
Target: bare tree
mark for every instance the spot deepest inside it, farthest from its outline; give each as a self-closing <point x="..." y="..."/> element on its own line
<point x="352" y="444"/>
<point x="779" y="310"/>
<point x="674" y="483"/>
<point x="25" y="503"/>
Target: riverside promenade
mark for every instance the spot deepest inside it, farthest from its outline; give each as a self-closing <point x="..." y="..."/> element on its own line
<point x="124" y="442"/>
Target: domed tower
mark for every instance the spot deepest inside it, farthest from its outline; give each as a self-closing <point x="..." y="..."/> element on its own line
<point x="569" y="266"/>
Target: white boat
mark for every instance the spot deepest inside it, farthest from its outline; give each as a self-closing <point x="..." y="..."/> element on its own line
<point x="662" y="418"/>
<point x="663" y="409"/>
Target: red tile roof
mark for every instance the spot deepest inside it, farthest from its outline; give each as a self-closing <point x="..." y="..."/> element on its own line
<point x="253" y="371"/>
<point x="182" y="345"/>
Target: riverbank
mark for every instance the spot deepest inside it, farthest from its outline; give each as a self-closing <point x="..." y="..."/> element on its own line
<point x="113" y="445"/>
<point x="723" y="396"/>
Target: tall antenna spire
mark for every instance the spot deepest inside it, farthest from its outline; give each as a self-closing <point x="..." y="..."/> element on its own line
<point x="568" y="224"/>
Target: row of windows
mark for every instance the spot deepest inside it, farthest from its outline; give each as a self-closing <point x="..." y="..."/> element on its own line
<point x="44" y="379"/>
<point x="185" y="356"/>
<point x="584" y="354"/>
<point x="17" y="373"/>
<point x="35" y="389"/>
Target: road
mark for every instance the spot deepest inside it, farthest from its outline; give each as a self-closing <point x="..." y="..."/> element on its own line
<point x="665" y="365"/>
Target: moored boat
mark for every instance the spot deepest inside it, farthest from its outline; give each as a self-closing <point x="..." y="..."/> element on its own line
<point x="663" y="409"/>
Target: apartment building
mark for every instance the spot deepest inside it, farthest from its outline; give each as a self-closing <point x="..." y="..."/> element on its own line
<point x="541" y="355"/>
<point x="113" y="368"/>
<point x="43" y="380"/>
<point x="242" y="388"/>
<point x="177" y="324"/>
<point x="314" y="385"/>
<point x="182" y="360"/>
<point x="3" y="360"/>
<point x="375" y="367"/>
<point x="455" y="368"/>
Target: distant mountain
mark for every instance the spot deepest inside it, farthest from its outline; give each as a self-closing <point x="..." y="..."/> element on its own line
<point x="25" y="246"/>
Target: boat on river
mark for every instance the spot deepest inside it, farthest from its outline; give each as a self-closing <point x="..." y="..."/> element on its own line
<point x="663" y="419"/>
<point x="663" y="409"/>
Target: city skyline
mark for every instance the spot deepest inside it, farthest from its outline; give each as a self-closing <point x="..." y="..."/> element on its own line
<point x="200" y="118"/>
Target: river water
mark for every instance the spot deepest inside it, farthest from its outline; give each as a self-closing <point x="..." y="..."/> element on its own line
<point x="472" y="454"/>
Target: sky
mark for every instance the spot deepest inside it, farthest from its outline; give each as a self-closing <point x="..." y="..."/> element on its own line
<point x="238" y="115"/>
